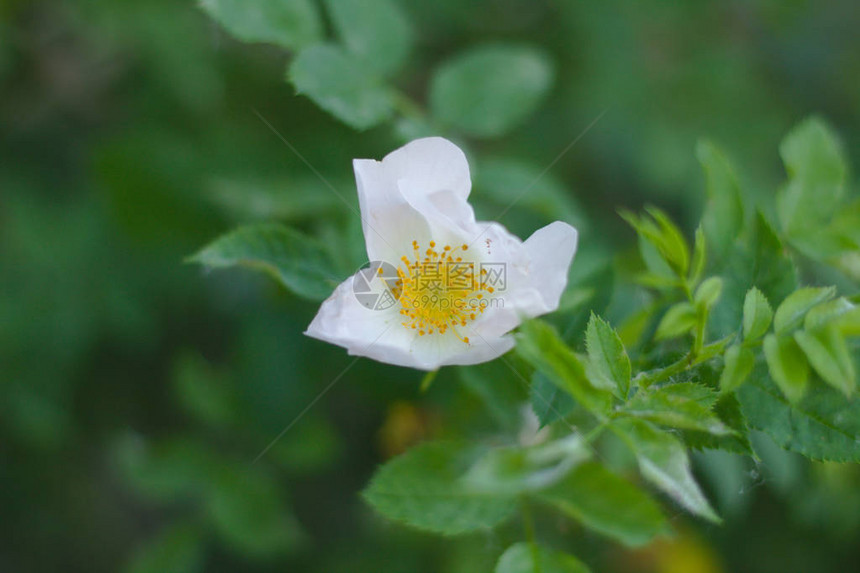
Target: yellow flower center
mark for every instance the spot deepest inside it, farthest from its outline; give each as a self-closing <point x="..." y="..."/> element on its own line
<point x="439" y="291"/>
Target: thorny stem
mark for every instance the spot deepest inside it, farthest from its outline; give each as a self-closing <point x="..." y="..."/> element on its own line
<point x="648" y="378"/>
<point x="690" y="360"/>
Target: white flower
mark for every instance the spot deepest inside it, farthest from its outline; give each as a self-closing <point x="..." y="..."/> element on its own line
<point x="457" y="286"/>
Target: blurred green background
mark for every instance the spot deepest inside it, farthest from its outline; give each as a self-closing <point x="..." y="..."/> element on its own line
<point x="136" y="391"/>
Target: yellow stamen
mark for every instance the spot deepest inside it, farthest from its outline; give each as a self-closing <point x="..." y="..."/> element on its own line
<point x="437" y="296"/>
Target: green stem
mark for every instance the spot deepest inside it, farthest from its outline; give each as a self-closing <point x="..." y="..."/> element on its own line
<point x="685" y="286"/>
<point x="595" y="432"/>
<point x="528" y="521"/>
<point x="754" y="343"/>
<point x="701" y="323"/>
<point x="529" y="527"/>
<point x="428" y="379"/>
<point x="646" y="379"/>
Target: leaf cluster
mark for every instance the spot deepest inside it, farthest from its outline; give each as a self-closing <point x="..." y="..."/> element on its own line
<point x="731" y="340"/>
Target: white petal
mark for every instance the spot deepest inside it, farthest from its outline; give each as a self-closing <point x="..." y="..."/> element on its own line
<point x="535" y="272"/>
<point x="433" y="163"/>
<point x="419" y="192"/>
<point x="503" y="252"/>
<point x="377" y="334"/>
<point x="449" y="218"/>
<point x="483" y="350"/>
<point x="446" y="350"/>
<point x="551" y="250"/>
<point x="391" y="224"/>
<point x="424" y="166"/>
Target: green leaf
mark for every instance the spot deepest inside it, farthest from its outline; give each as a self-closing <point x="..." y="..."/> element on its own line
<point x="699" y="393"/>
<point x="841" y="313"/>
<point x="488" y="90"/>
<point x="422" y="488"/>
<point x="849" y="322"/>
<point x="714" y="349"/>
<point x="178" y="548"/>
<point x="817" y="170"/>
<point x="846" y="223"/>
<point x="680" y="319"/>
<point x="529" y="558"/>
<point x="787" y="365"/>
<point x="739" y="362"/>
<point x="838" y="240"/>
<point x="773" y="272"/>
<point x="376" y="31"/>
<point x="342" y="85"/>
<point x="685" y="405"/>
<point x="665" y="237"/>
<point x="244" y="198"/>
<point x="848" y="262"/>
<point x="315" y="449"/>
<point x="675" y="249"/>
<point x="724" y="213"/>
<point x="604" y="502"/>
<point x="700" y="257"/>
<point x="728" y="410"/>
<point x="823" y="426"/>
<point x="661" y="274"/>
<point x="655" y="281"/>
<point x="789" y="315"/>
<point x="608" y="363"/>
<point x="204" y="392"/>
<point x="292" y="24"/>
<point x="549" y="402"/>
<point x="542" y="347"/>
<point x="168" y="471"/>
<point x="513" y="470"/>
<point x="248" y="512"/>
<point x="760" y="260"/>
<point x="757" y="314"/>
<point x="708" y="292"/>
<point x="500" y="390"/>
<point x="828" y="354"/>
<point x="663" y="462"/>
<point x="296" y="261"/>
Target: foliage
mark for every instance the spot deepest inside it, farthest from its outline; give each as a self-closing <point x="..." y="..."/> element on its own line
<point x="679" y="390"/>
<point x="458" y="488"/>
<point x="299" y="263"/>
